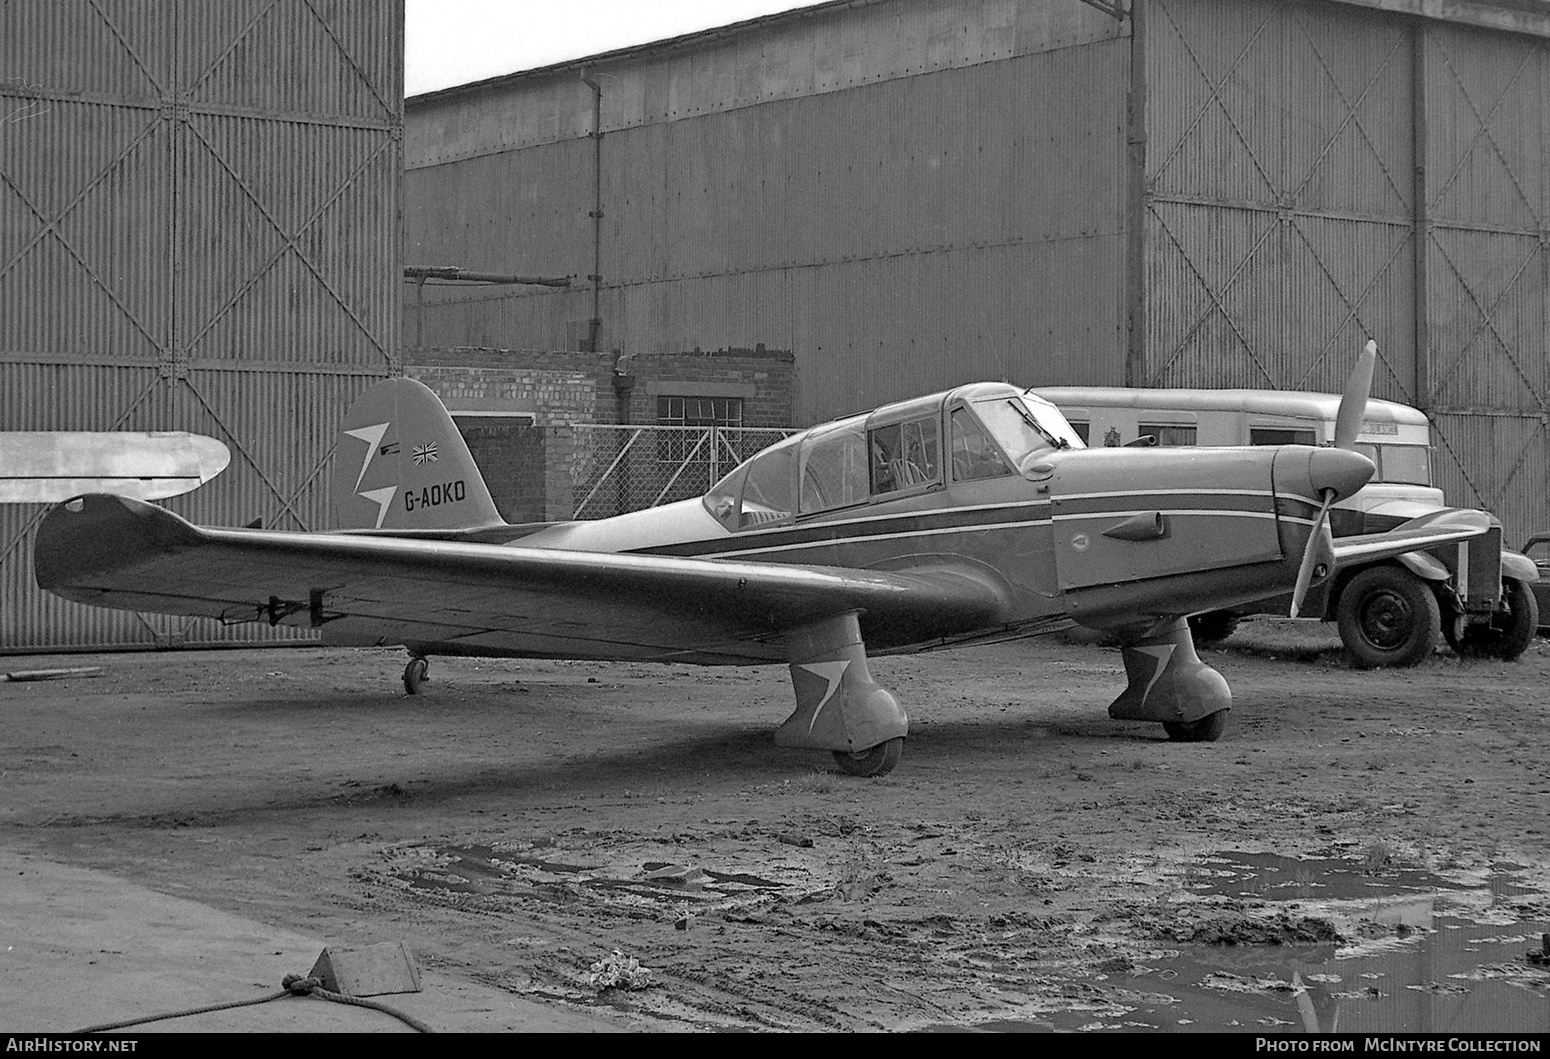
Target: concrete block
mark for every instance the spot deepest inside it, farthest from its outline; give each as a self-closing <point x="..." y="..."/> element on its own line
<point x="388" y="967"/>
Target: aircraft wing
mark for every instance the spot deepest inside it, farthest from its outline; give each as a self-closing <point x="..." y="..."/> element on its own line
<point x="127" y="554"/>
<point x="1442" y="527"/>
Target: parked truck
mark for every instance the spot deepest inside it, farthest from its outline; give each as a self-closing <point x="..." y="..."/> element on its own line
<point x="1476" y="595"/>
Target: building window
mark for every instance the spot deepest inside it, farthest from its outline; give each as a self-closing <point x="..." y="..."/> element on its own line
<point x="676" y="446"/>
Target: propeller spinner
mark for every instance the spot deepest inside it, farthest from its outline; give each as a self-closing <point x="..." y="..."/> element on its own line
<point x="1348" y="423"/>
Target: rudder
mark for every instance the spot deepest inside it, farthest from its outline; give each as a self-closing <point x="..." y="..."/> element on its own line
<point x="401" y="464"/>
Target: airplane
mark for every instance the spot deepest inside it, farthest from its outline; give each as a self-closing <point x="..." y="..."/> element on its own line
<point x="968" y="516"/>
<point x="47" y="466"/>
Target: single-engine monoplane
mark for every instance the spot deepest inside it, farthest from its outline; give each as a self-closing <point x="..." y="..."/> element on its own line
<point x="968" y="516"/>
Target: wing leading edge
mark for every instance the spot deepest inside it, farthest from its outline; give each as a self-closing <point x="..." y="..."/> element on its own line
<point x="484" y="598"/>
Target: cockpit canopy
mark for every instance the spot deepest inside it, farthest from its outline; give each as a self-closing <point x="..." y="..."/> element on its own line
<point x="972" y="433"/>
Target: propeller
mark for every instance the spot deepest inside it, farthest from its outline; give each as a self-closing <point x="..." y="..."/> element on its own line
<point x="1348" y="424"/>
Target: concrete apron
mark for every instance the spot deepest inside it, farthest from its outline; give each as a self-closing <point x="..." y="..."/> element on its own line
<point x="80" y="948"/>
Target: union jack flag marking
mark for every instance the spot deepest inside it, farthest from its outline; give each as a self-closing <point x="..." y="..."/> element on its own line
<point x="424" y="454"/>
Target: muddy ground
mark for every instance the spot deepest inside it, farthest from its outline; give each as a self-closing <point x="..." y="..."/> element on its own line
<point x="522" y="821"/>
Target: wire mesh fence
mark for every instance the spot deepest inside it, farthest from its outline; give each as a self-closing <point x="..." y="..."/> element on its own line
<point x="627" y="468"/>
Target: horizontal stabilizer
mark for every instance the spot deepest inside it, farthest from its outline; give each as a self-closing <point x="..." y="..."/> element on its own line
<point x="47" y="466"/>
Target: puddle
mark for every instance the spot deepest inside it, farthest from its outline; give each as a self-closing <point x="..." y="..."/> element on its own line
<point x="1423" y="954"/>
<point x="1314" y="945"/>
<point x="1274" y="878"/>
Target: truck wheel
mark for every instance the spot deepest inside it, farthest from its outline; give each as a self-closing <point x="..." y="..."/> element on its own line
<point x="1388" y="617"/>
<point x="1510" y="630"/>
<point x="1213" y="626"/>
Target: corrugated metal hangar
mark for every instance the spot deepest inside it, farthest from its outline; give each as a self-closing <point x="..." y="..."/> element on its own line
<point x="199" y="230"/>
<point x="908" y="194"/>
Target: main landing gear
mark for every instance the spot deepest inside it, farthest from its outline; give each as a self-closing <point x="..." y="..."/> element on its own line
<point x="840" y="708"/>
<point x="1169" y="683"/>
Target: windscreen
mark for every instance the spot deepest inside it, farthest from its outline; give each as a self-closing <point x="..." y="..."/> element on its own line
<point x="1023" y="425"/>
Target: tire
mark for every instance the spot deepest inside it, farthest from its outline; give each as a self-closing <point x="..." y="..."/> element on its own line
<point x="1206" y="730"/>
<point x="877" y="761"/>
<point x="1510" y="630"/>
<point x="1213" y="626"/>
<point x="1388" y="617"/>
<point x="416" y="673"/>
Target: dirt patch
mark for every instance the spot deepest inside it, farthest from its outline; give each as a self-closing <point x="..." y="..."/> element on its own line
<point x="543" y="826"/>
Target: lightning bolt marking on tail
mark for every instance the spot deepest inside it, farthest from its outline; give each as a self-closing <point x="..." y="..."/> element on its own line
<point x="372" y="436"/>
<point x="382" y="498"/>
<point x="833" y="672"/>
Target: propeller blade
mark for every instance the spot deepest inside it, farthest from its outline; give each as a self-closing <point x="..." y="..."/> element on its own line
<point x="1310" y="555"/>
<point x="1353" y="403"/>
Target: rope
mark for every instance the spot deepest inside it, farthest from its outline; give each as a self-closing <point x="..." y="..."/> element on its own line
<point x="295" y="985"/>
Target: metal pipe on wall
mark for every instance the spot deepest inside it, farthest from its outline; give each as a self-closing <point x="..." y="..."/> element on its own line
<point x="1135" y="205"/>
<point x="595" y="326"/>
<point x="1421" y="213"/>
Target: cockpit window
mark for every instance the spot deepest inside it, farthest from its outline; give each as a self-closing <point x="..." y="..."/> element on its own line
<point x="767" y="496"/>
<point x="758" y="493"/>
<point x="905" y="455"/>
<point x="834" y="468"/>
<point x="974" y="455"/>
<point x="1023" y="425"/>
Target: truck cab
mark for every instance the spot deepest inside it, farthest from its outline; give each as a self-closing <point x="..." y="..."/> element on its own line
<point x="1390" y="613"/>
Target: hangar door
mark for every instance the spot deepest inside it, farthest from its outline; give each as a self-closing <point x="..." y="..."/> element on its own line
<point x="1320" y="173"/>
<point x="1279" y="200"/>
<point x="1487" y="270"/>
<point x="198" y="231"/>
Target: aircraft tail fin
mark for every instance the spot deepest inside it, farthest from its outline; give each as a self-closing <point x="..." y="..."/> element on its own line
<point x="400" y="464"/>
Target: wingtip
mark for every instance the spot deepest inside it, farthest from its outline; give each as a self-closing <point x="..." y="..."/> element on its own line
<point x="101" y="531"/>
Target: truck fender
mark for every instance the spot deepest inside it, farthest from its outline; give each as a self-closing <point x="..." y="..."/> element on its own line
<point x="1424" y="566"/>
<point x="1519" y="566"/>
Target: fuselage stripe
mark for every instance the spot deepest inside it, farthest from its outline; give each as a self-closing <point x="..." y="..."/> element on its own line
<point x="1244" y="503"/>
<point x="1223" y="511"/>
<point x="828" y="541"/>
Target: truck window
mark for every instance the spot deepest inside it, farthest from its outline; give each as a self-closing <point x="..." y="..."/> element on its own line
<point x="1281" y="436"/>
<point x="1169" y="433"/>
<point x="1400" y="464"/>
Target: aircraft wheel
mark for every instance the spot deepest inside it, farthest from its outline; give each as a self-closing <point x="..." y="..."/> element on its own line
<point x="416" y="673"/>
<point x="878" y="761"/>
<point x="1388" y="617"/>
<point x="1508" y="633"/>
<point x="1212" y="627"/>
<point x="1206" y="730"/>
